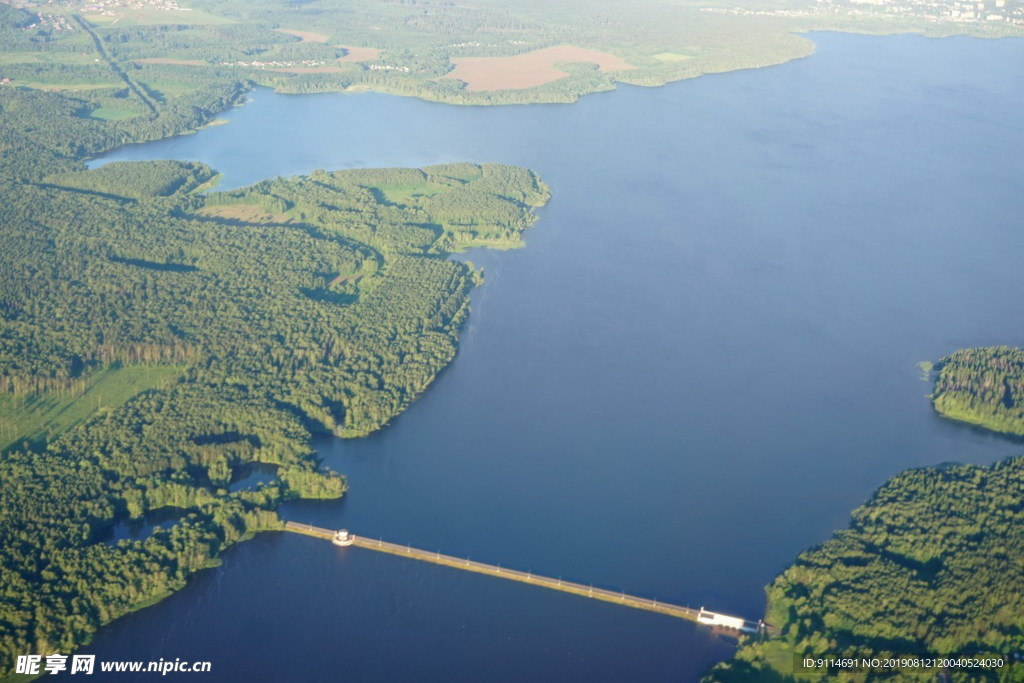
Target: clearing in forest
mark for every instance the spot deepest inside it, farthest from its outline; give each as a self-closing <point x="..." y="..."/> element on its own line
<point x="529" y="69"/>
<point x="39" y="417"/>
<point x="672" y="57"/>
<point x="304" y="36"/>
<point x="245" y="213"/>
<point x="359" y="54"/>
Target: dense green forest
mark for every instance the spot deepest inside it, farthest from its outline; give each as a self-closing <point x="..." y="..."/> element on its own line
<point x="983" y="386"/>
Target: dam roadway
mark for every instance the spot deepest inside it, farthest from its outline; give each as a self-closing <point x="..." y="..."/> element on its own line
<point x="701" y="615"/>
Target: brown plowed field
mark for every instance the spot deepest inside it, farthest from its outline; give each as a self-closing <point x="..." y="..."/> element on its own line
<point x="481" y="74"/>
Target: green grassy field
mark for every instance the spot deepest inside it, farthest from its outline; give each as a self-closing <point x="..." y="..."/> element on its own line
<point x="39" y="418"/>
<point x="62" y="57"/>
<point x="169" y="89"/>
<point x="672" y="57"/>
<point x="407" y="194"/>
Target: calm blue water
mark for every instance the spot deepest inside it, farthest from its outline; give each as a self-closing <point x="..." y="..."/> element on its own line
<point x="703" y="360"/>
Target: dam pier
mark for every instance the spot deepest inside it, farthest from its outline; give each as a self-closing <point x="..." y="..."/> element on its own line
<point x="724" y="622"/>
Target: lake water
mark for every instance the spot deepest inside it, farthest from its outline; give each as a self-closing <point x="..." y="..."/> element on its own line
<point x="704" y="359"/>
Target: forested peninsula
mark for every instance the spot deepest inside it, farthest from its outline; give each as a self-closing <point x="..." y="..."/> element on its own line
<point x="933" y="563"/>
<point x="157" y="338"/>
<point x="984" y="387"/>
